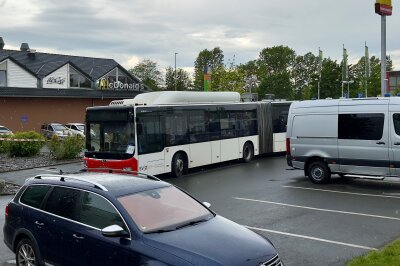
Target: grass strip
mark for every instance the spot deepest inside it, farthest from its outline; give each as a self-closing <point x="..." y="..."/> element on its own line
<point x="389" y="255"/>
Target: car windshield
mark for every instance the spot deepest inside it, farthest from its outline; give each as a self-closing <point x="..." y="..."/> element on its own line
<point x="4" y="129"/>
<point x="80" y="127"/>
<point x="112" y="137"/>
<point x="164" y="209"/>
<point x="58" y="127"/>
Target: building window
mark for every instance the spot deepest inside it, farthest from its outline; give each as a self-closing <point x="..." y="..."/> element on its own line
<point x="77" y="80"/>
<point x="3" y="78"/>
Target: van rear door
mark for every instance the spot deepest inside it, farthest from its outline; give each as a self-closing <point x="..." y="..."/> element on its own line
<point x="363" y="137"/>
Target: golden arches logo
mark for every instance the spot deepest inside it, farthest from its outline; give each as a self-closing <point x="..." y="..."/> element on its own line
<point x="103" y="84"/>
<point x="384" y="2"/>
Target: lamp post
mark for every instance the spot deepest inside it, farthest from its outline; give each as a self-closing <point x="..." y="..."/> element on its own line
<point x="175" y="70"/>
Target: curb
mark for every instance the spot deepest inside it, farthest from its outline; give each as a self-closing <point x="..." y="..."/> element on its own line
<point x="47" y="165"/>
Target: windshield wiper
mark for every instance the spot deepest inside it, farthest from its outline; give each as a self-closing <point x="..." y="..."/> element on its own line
<point x="191" y="223"/>
<point x="159" y="231"/>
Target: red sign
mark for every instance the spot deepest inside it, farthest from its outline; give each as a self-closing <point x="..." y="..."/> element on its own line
<point x="383" y="10"/>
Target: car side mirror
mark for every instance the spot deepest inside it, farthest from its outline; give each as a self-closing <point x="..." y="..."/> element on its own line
<point x="114" y="231"/>
<point x="207" y="204"/>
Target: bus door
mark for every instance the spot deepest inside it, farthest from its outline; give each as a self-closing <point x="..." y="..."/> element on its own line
<point x="200" y="145"/>
<point x="229" y="140"/>
<point x="150" y="142"/>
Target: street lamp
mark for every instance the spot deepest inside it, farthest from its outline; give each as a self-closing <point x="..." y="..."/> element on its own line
<point x="175" y="70"/>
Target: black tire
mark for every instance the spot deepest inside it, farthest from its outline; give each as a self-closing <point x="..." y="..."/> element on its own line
<point x="248" y="152"/>
<point x="179" y="165"/>
<point x="319" y="172"/>
<point x="27" y="253"/>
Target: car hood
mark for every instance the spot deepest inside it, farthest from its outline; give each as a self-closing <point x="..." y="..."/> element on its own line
<point x="218" y="241"/>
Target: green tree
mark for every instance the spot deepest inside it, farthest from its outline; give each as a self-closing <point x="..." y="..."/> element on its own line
<point x="228" y="79"/>
<point x="331" y="78"/>
<point x="275" y="71"/>
<point x="183" y="81"/>
<point x="304" y="75"/>
<point x="213" y="58"/>
<point x="149" y="73"/>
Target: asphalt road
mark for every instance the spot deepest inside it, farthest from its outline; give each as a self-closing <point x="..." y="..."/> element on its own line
<point x="309" y="224"/>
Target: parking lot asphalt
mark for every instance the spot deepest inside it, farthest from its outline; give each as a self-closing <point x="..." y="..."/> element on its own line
<point x="309" y="224"/>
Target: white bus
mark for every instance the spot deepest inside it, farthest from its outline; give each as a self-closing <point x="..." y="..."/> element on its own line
<point x="171" y="132"/>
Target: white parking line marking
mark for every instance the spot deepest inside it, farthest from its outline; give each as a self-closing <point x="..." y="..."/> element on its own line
<point x="343" y="192"/>
<point x="324" y="210"/>
<point x="47" y="170"/>
<point x="309" y="237"/>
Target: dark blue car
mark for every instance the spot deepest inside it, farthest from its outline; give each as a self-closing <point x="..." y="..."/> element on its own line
<point x="109" y="219"/>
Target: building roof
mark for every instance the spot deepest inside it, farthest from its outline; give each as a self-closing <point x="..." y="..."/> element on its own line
<point x="43" y="64"/>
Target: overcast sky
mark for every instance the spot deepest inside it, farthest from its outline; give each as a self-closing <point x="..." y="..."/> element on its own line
<point x="131" y="30"/>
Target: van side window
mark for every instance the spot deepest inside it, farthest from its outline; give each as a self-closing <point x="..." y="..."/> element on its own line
<point x="361" y="126"/>
<point x="396" y="123"/>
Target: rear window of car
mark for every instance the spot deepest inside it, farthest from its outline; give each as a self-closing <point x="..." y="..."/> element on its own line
<point x="33" y="196"/>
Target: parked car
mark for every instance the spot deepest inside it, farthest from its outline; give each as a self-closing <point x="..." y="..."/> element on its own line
<point x="5" y="131"/>
<point x="348" y="137"/>
<point x="76" y="129"/>
<point x="48" y="130"/>
<point x="108" y="219"/>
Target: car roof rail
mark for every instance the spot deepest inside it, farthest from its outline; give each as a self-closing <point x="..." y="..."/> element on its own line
<point x="64" y="178"/>
<point x="121" y="171"/>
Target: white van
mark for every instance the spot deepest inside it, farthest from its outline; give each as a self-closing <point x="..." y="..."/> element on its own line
<point x="352" y="137"/>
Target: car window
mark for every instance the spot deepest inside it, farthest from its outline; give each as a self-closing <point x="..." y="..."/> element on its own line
<point x="163" y="208"/>
<point x="96" y="211"/>
<point x="63" y="202"/>
<point x="34" y="195"/>
<point x="58" y="127"/>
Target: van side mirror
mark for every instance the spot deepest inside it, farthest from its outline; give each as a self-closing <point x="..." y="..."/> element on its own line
<point x="114" y="231"/>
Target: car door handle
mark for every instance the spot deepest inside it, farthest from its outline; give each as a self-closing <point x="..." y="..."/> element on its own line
<point x="380" y="143"/>
<point x="78" y="236"/>
<point x="39" y="223"/>
<point x="396" y="143"/>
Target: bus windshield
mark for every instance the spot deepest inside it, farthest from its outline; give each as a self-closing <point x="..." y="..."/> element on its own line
<point x="113" y="137"/>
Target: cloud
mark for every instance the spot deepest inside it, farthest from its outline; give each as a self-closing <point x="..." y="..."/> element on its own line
<point x="129" y="29"/>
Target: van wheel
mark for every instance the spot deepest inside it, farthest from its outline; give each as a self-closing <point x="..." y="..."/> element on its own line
<point x="319" y="172"/>
<point x="179" y="165"/>
<point x="26" y="253"/>
<point x="248" y="152"/>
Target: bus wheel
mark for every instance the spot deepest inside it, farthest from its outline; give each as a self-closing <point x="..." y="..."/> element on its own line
<point x="319" y="172"/>
<point x="248" y="152"/>
<point x="179" y="165"/>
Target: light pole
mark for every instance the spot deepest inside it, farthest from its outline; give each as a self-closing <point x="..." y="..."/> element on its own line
<point x="175" y="70"/>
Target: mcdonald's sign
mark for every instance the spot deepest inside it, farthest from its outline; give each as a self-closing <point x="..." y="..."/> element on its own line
<point x="383" y="7"/>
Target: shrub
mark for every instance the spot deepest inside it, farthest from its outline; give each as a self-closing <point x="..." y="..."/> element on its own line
<point x="3" y="143"/>
<point x="69" y="148"/>
<point x="24" y="148"/>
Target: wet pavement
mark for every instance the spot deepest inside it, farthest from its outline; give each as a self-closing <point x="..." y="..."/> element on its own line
<point x="309" y="224"/>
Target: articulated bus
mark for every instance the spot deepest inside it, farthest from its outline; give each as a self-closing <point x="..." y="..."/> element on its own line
<point x="171" y="132"/>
